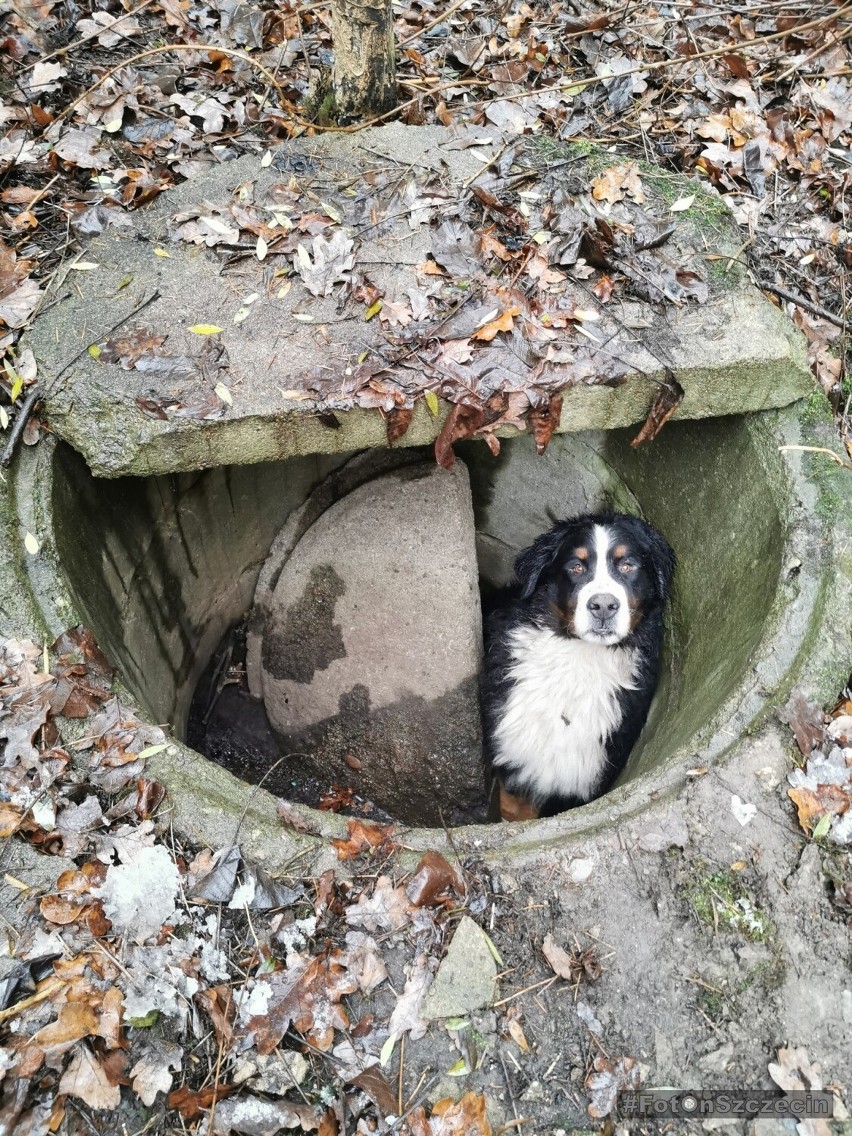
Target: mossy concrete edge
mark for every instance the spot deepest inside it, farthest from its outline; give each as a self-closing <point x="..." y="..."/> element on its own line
<point x="153" y="447"/>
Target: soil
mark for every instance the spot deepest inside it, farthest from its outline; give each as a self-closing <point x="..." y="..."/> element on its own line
<point x="701" y="995"/>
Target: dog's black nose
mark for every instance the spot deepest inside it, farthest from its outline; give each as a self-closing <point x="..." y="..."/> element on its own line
<point x="602" y="606"/>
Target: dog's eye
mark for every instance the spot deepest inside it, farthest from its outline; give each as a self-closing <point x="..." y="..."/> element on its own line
<point x="626" y="567"/>
<point x="577" y="568"/>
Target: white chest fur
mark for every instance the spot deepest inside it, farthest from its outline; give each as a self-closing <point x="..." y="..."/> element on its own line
<point x="562" y="707"/>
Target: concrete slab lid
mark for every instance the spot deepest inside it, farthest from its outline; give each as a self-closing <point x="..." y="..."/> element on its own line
<point x="733" y="354"/>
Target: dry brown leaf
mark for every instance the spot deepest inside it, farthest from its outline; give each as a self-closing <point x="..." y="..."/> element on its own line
<point x="86" y="1078"/>
<point x="62" y="910"/>
<point x="603" y="288"/>
<point x="543" y="421"/>
<point x="462" y="422"/>
<point x="127" y="348"/>
<point x="812" y="805"/>
<point x="307" y="995"/>
<point x="504" y="322"/>
<point x="805" y="720"/>
<point x="517" y="1034"/>
<point x="151" y="1074"/>
<point x="375" y="1084"/>
<point x="614" y="183"/>
<point x="386" y="909"/>
<point x="668" y="398"/>
<point x="364" y="837"/>
<point x="19" y="303"/>
<point x="192" y="1105"/>
<point x="467" y="1117"/>
<point x="292" y="818"/>
<point x="397" y="422"/>
<point x="608" y="1079"/>
<point x="10" y="819"/>
<point x="218" y="1004"/>
<point x="434" y="882"/>
<point x="76" y="1020"/>
<point x="560" y="961"/>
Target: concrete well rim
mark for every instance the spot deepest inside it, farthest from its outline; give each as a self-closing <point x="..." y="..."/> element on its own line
<point x="208" y="802"/>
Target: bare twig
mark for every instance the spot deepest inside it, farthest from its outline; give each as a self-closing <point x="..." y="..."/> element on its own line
<point x="820" y="450"/>
<point x="801" y="302"/>
<point x="21" y="419"/>
<point x="200" y="48"/>
<point x="86" y="38"/>
<point x="47" y="991"/>
<point x="546" y="982"/>
<point x="433" y="23"/>
<point x="511" y="1095"/>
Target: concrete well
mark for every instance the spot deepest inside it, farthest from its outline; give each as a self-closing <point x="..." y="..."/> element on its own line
<point x="160" y="567"/>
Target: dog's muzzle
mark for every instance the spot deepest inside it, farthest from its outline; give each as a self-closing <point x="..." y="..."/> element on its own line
<point x="603" y="609"/>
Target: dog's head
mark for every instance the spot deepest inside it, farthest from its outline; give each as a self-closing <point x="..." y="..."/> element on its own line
<point x="601" y="575"/>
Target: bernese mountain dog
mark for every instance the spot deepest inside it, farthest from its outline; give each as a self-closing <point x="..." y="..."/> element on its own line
<point x="572" y="657"/>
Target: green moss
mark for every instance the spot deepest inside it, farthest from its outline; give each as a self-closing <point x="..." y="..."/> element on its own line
<point x="722" y="900"/>
<point x="816" y="410"/>
<point x="547" y="151"/>
<point x="672" y="186"/>
<point x="712" y="1002"/>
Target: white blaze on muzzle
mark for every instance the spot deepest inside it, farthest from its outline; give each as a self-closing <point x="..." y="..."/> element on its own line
<point x="610" y="623"/>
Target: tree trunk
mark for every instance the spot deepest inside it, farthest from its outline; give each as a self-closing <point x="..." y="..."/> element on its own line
<point x="364" y="74"/>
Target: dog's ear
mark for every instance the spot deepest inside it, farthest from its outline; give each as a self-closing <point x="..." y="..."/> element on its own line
<point x="664" y="561"/>
<point x="533" y="561"/>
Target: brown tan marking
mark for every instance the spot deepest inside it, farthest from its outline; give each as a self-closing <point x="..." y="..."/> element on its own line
<point x="515" y="808"/>
<point x="619" y="552"/>
<point x="581" y="553"/>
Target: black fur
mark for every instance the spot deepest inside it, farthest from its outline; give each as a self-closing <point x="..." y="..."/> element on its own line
<point x="538" y="597"/>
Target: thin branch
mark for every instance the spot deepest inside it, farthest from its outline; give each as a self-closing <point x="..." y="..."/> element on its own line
<point x="21" y="419"/>
<point x="85" y="39"/>
<point x="820" y="450"/>
<point x="801" y="302"/>
<point x="165" y="48"/>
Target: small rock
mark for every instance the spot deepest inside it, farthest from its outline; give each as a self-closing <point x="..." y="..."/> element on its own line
<point x="275" y="1073"/>
<point x="806" y="880"/>
<point x="466" y="978"/>
<point x="768" y="777"/>
<point x="504" y="884"/>
<point x="534" y="1094"/>
<point x="717" y="1061"/>
<point x="662" y="834"/>
<point x="579" y="868"/>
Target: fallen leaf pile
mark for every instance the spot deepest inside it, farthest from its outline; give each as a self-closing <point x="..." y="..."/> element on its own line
<point x="154" y="974"/>
<point x="821" y="788"/>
